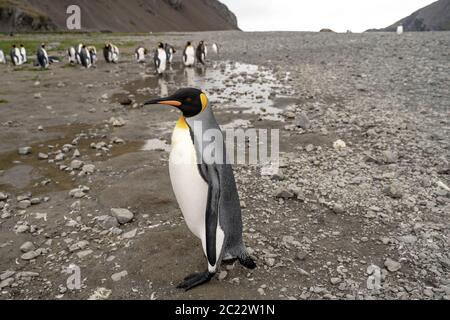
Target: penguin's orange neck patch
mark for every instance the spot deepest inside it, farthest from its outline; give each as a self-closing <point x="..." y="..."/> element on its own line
<point x="182" y="124"/>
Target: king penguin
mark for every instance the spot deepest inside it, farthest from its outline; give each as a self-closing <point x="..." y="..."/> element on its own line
<point x="160" y="59"/>
<point x="85" y="57"/>
<point x="139" y="54"/>
<point x="170" y="51"/>
<point x="2" y="57"/>
<point x="189" y="55"/>
<point x="201" y="52"/>
<point x="72" y="55"/>
<point x="205" y="188"/>
<point x="42" y="57"/>
<point x="14" y="53"/>
<point x="23" y="54"/>
<point x="215" y="48"/>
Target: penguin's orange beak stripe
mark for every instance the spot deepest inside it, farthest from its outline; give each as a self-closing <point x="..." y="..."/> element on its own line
<point x="173" y="103"/>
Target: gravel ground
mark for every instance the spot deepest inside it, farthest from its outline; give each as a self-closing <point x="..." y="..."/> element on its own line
<point x="359" y="210"/>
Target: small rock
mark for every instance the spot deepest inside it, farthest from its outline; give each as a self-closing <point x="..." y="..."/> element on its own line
<point x="29" y="255"/>
<point x="60" y="157"/>
<point x="79" y="246"/>
<point x="222" y="275"/>
<point x="130" y="235"/>
<point x="27" y="247"/>
<point x="3" y="196"/>
<point x="302" y="121"/>
<point x="389" y="157"/>
<point x="335" y="281"/>
<point x="6" y="283"/>
<point x="339" y="145"/>
<point x="338" y="208"/>
<point x="117" y="122"/>
<point x="284" y="193"/>
<point x="7" y="274"/>
<point x="119" y="276"/>
<point x="25" y="204"/>
<point x="107" y="222"/>
<point x="38" y="96"/>
<point x="76" y="164"/>
<point x="23" y="151"/>
<point x="392" y="265"/>
<point x="122" y="215"/>
<point x="42" y="156"/>
<point x="84" y="254"/>
<point x="394" y="191"/>
<point x="88" y="169"/>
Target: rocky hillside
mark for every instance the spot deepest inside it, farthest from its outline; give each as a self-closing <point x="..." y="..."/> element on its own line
<point x="117" y="15"/>
<point x="435" y="17"/>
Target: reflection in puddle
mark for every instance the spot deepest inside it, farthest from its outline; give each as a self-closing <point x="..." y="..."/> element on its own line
<point x="229" y="85"/>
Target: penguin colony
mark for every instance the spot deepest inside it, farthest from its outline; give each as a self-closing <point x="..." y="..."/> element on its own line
<point x="205" y="189"/>
<point x="86" y="56"/>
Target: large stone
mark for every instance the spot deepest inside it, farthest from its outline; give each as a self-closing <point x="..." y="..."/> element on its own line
<point x="119" y="276"/>
<point x="122" y="215"/>
<point x="302" y="121"/>
<point x="27" y="247"/>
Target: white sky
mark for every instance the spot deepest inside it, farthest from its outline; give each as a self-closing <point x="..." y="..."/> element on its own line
<point x="313" y="15"/>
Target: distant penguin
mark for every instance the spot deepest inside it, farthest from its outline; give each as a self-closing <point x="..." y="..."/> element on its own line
<point x="139" y="54"/>
<point x="23" y="53"/>
<point x="2" y="57"/>
<point x="72" y="55"/>
<point x="215" y="48"/>
<point x="111" y="53"/>
<point x="201" y="52"/>
<point x="78" y="52"/>
<point x="400" y="30"/>
<point x="189" y="55"/>
<point x="14" y="53"/>
<point x="170" y="51"/>
<point x="205" y="188"/>
<point x="92" y="54"/>
<point x="160" y="59"/>
<point x="42" y="57"/>
<point x="85" y="57"/>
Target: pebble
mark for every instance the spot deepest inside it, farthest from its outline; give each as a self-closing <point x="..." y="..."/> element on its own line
<point x="339" y="145"/>
<point x="119" y="276"/>
<point x="23" y="151"/>
<point x="122" y="215"/>
<point x="107" y="222"/>
<point x="392" y="265"/>
<point x="76" y="164"/>
<point x="27" y="247"/>
<point x="29" y="255"/>
<point x="25" y="204"/>
<point x="7" y="274"/>
<point x="88" y="169"/>
<point x="284" y="194"/>
<point x="130" y="235"/>
<point x="222" y="275"/>
<point x="394" y="191"/>
<point x="335" y="281"/>
<point x="84" y="254"/>
<point x="3" y="196"/>
<point x="42" y="156"/>
<point x="302" y="121"/>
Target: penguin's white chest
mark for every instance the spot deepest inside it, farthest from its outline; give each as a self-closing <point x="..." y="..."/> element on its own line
<point x="190" y="56"/>
<point x="162" y="56"/>
<point x="189" y="187"/>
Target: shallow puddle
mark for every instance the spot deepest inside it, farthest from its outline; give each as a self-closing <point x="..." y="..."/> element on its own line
<point x="232" y="86"/>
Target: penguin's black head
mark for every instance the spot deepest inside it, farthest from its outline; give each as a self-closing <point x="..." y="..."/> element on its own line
<point x="43" y="45"/>
<point x="190" y="101"/>
<point x="189" y="43"/>
<point x="160" y="45"/>
<point x="13" y="45"/>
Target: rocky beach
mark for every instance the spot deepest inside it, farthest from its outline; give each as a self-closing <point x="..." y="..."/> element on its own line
<point x="360" y="208"/>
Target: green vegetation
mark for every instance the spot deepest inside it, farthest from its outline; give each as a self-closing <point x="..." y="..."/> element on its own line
<point x="2" y="101"/>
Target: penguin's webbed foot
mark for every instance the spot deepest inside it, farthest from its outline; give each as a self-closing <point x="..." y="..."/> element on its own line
<point x="247" y="262"/>
<point x="195" y="280"/>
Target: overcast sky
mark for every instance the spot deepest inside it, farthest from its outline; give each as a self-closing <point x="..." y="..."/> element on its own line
<point x="313" y="15"/>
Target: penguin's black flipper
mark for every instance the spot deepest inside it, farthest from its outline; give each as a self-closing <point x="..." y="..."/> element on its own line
<point x="195" y="280"/>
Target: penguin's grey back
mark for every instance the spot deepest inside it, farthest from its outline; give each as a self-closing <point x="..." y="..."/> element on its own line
<point x="230" y="215"/>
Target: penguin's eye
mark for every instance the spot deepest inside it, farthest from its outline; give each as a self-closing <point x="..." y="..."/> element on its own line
<point x="189" y="100"/>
